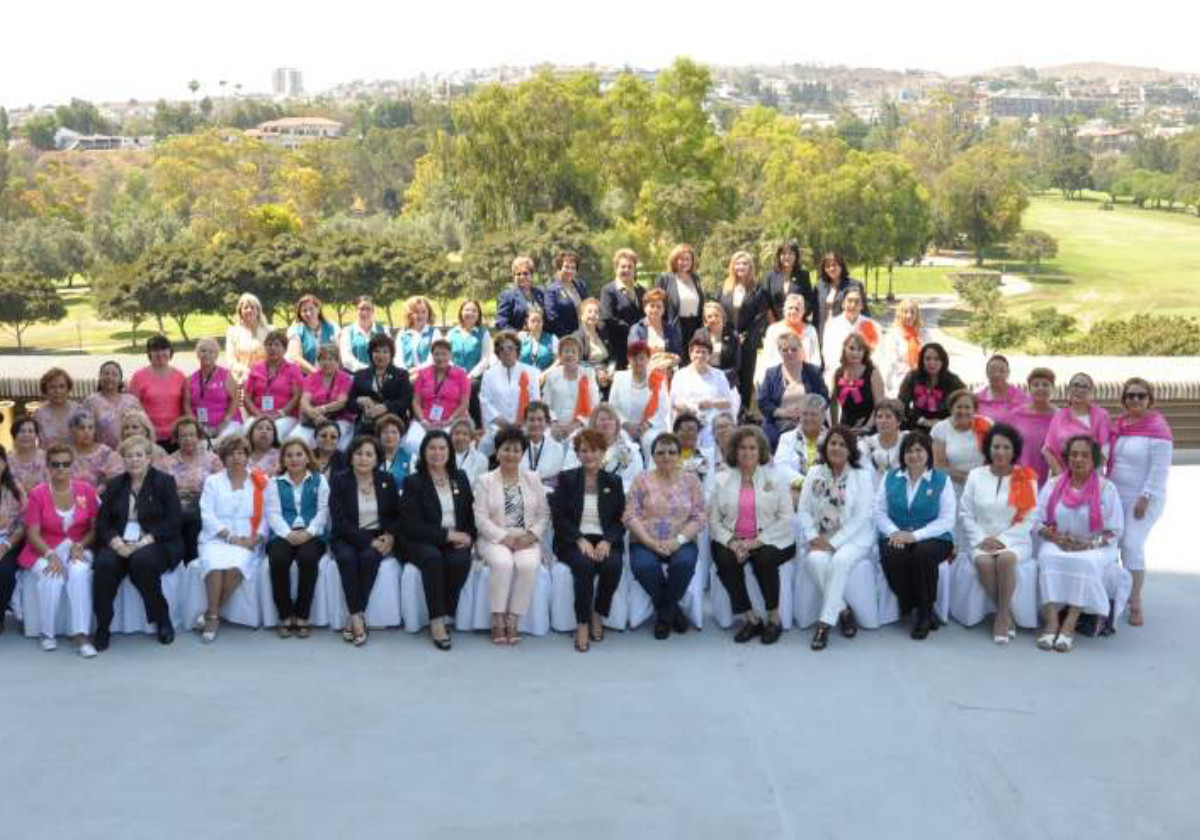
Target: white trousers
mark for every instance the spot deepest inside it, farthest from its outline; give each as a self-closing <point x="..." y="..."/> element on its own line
<point x="77" y="583"/>
<point x="831" y="571"/>
<point x="1137" y="531"/>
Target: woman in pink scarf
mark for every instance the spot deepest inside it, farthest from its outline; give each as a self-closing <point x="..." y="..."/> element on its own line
<point x="1138" y="465"/>
<point x="1078" y="417"/>
<point x="1079" y="521"/>
<point x="998" y="399"/>
<point x="1032" y="420"/>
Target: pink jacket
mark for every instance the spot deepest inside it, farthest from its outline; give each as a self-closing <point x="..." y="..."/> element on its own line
<point x="40" y="511"/>
<point x="489" y="505"/>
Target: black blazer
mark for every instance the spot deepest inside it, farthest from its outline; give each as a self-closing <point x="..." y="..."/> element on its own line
<point x="157" y="508"/>
<point x="513" y="307"/>
<point x="751" y="321"/>
<point x="619" y="312"/>
<point x="780" y="286"/>
<point x="396" y="393"/>
<point x="823" y="313"/>
<point x="566" y="509"/>
<point x="343" y="507"/>
<point x="669" y="283"/>
<point x="421" y="509"/>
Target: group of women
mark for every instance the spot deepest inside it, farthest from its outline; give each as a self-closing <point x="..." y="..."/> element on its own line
<point x="584" y="429"/>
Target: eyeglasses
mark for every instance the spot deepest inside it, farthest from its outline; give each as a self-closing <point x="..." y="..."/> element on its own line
<point x="1081" y="386"/>
<point x="60" y="465"/>
<point x="1137" y="395"/>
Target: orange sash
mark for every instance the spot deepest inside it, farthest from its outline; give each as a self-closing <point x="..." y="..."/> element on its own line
<point x="260" y="481"/>
<point x="1022" y="491"/>
<point x="912" y="339"/>
<point x="871" y="335"/>
<point x="523" y="397"/>
<point x="654" y="382"/>
<point x="980" y="425"/>
<point x="583" y="399"/>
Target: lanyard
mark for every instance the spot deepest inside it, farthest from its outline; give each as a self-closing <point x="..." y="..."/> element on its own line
<point x="535" y="455"/>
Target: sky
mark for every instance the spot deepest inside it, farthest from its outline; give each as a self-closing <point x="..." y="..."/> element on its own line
<point x="145" y="50"/>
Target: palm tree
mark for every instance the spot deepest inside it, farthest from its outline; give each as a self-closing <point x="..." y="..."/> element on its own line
<point x="193" y="86"/>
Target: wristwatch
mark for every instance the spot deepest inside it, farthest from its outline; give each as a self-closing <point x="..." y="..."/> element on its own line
<point x="681" y="539"/>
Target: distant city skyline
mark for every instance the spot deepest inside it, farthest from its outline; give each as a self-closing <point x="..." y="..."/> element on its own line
<point x="143" y="53"/>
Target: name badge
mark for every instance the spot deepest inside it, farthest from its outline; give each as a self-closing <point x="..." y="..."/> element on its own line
<point x="435" y="413"/>
<point x="268" y="403"/>
<point x="202" y="415"/>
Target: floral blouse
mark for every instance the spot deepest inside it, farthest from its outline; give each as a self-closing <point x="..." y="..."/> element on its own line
<point x="189" y="474"/>
<point x="31" y="473"/>
<point x="53" y="426"/>
<point x="829" y="494"/>
<point x="267" y="462"/>
<point x="108" y="414"/>
<point x="93" y="466"/>
<point x="664" y="510"/>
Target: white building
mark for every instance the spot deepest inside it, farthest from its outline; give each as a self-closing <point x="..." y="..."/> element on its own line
<point x="287" y="82"/>
<point x="292" y="132"/>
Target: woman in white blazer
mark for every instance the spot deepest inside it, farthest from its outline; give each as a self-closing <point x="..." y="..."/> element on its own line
<point x="642" y="398"/>
<point x="750" y="521"/>
<point x="512" y="516"/>
<point x="837" y="526"/>
<point x="996" y="512"/>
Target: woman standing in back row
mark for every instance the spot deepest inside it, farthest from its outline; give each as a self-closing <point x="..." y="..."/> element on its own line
<point x="746" y="306"/>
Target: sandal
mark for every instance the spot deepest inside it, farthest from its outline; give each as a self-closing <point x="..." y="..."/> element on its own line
<point x="348" y="631"/>
<point x="284" y="629"/>
<point x="582" y="636"/>
<point x="596" y="631"/>
<point x="849" y="625"/>
<point x="1046" y="640"/>
<point x="1064" y="643"/>
<point x="211" y="624"/>
<point x="498" y="637"/>
<point x="820" y="637"/>
<point x="360" y="632"/>
<point x="303" y="631"/>
<point x="511" y="633"/>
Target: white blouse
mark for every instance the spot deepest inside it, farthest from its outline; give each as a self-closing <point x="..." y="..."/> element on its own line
<point x="962" y="447"/>
<point x="545" y="458"/>
<point x="985" y="512"/>
<point x="630" y="399"/>
<point x="1076" y="521"/>
<point x="1141" y="466"/>
<point x="589" y="521"/>
<point x="561" y="393"/>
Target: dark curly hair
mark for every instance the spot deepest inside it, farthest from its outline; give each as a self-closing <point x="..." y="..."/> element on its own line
<point x="1007" y="432"/>
<point x="848" y="437"/>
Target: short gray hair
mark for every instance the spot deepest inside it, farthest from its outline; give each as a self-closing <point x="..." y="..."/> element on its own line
<point x="814" y="402"/>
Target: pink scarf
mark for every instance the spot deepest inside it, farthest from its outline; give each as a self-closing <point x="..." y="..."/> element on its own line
<point x="1151" y="424"/>
<point x="1064" y="426"/>
<point x="1090" y="493"/>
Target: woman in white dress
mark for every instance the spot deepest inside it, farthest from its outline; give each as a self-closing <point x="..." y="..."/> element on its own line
<point x="1139" y="465"/>
<point x="902" y="343"/>
<point x="701" y="389"/>
<point x="1079" y="520"/>
<point x="837" y="526"/>
<point x="244" y="339"/>
<point x="997" y="522"/>
<point x="508" y="386"/>
<point x="958" y="440"/>
<point x="570" y="390"/>
<point x="641" y="397"/>
<point x="793" y="322"/>
<point x="233" y="527"/>
<point x="544" y="455"/>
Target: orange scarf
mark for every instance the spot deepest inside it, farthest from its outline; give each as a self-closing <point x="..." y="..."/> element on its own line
<point x="654" y="382"/>
<point x="980" y="426"/>
<point x="259" y="480"/>
<point x="1022" y="491"/>
<point x="912" y="338"/>
<point x="523" y="397"/>
<point x="871" y="335"/>
<point x="583" y="399"/>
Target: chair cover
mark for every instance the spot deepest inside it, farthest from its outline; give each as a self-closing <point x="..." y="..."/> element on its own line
<point x="970" y="604"/>
<point x="129" y="612"/>
<point x="383" y="605"/>
<point x="415" y="612"/>
<point x="562" y="600"/>
<point x="862" y="595"/>
<point x="243" y="606"/>
<point x="535" y="622"/>
<point x="722" y="610"/>
<point x="641" y="608"/>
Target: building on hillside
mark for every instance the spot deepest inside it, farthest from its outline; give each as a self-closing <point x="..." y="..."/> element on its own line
<point x="287" y="82"/>
<point x="66" y="140"/>
<point x="1104" y="138"/>
<point x="1022" y="104"/>
<point x="292" y="132"/>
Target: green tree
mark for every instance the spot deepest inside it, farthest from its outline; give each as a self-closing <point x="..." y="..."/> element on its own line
<point x="1033" y="246"/>
<point x="40" y="131"/>
<point x="26" y="300"/>
<point x="1108" y="174"/>
<point x="84" y="117"/>
<point x="48" y="249"/>
<point x="982" y="196"/>
<point x="172" y="281"/>
<point x="1063" y="163"/>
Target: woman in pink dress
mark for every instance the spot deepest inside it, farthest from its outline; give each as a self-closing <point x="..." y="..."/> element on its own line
<point x="212" y="393"/>
<point x="324" y="395"/>
<point x="160" y="388"/>
<point x="441" y="395"/>
<point x="54" y="415"/>
<point x="109" y="403"/>
<point x="27" y="461"/>
<point x="998" y="399"/>
<point x="1032" y="420"/>
<point x="273" y="388"/>
<point x="1080" y="416"/>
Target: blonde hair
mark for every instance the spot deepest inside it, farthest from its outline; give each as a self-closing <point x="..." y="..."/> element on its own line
<point x="625" y="254"/>
<point x="415" y="301"/>
<point x="906" y="304"/>
<point x="713" y="306"/>
<point x="519" y="262"/>
<point x="243" y="299"/>
<point x="731" y="274"/>
<point x="677" y="252"/>
<point x="141" y="418"/>
<point x="208" y="341"/>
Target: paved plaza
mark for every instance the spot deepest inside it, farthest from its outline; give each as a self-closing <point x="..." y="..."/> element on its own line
<point x="881" y="737"/>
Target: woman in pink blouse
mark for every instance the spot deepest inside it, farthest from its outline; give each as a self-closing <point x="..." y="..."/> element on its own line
<point x="109" y="403"/>
<point x="273" y="388"/>
<point x="60" y="526"/>
<point x="998" y="399"/>
<point x="1032" y="420"/>
<point x="212" y="393"/>
<point x="441" y="396"/>
<point x="323" y="396"/>
<point x="664" y="514"/>
<point x="160" y="387"/>
<point x="54" y="415"/>
<point x="27" y="460"/>
<point x="1080" y="416"/>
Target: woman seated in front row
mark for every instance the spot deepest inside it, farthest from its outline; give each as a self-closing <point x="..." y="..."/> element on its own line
<point x="297" y="508"/>
<point x="588" y="505"/>
<point x="750" y="522"/>
<point x="837" y="526"/>
<point x="364" y="512"/>
<point x="437" y="530"/>
<point x="1079" y="519"/>
<point x="914" y="514"/>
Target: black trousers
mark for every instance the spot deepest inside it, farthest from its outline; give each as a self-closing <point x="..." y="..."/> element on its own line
<point x="444" y="570"/>
<point x="280" y="556"/>
<point x="745" y="374"/>
<point x="912" y="571"/>
<point x="473" y="407"/>
<point x="358" y="568"/>
<point x="190" y="530"/>
<point x="8" y="577"/>
<point x="764" y="560"/>
<point x="585" y="572"/>
<point x="145" y="568"/>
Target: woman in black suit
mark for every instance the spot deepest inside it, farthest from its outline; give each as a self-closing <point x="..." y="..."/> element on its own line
<point x="364" y="511"/>
<point x="789" y="277"/>
<point x="587" y="507"/>
<point x="685" y="295"/>
<point x="437" y="529"/>
<point x="727" y="351"/>
<point x="381" y="388"/>
<point x="620" y="306"/>
<point x="138" y="533"/>
<point x="746" y="306"/>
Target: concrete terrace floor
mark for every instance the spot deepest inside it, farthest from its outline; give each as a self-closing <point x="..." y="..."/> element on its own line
<point x="692" y="738"/>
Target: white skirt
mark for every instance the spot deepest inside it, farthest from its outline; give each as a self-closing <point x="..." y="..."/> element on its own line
<point x="221" y="556"/>
<point x="1075" y="578"/>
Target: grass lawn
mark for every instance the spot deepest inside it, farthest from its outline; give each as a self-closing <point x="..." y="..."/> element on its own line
<point x="1114" y="263"/>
